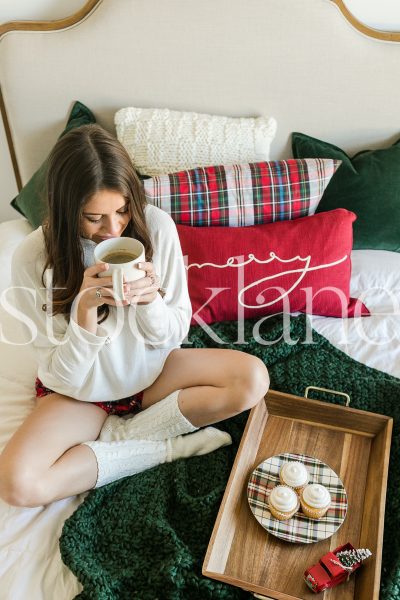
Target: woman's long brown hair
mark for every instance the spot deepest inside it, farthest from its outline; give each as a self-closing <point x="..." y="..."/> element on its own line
<point x="84" y="161"/>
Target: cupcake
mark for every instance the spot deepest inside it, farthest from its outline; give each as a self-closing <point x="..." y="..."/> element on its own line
<point x="295" y="475"/>
<point x="315" y="500"/>
<point x="283" y="502"/>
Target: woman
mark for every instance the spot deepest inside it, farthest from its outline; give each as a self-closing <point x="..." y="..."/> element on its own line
<point x="91" y="366"/>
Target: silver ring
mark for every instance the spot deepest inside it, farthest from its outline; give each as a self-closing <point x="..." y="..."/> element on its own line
<point x="98" y="293"/>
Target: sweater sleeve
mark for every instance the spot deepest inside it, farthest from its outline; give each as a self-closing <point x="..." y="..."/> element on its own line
<point x="65" y="351"/>
<point x="165" y="321"/>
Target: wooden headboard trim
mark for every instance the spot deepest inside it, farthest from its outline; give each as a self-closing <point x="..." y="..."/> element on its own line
<point x="10" y="143"/>
<point x="50" y="25"/>
<point x="91" y="6"/>
<point x="389" y="36"/>
<point x="36" y="26"/>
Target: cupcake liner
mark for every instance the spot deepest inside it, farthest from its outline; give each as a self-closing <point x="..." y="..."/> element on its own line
<point x="313" y="513"/>
<point x="282" y="516"/>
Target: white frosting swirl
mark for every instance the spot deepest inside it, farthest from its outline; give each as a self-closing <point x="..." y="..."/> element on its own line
<point x="316" y="495"/>
<point x="283" y="498"/>
<point x="294" y="474"/>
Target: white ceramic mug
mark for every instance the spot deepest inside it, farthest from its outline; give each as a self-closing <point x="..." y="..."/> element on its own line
<point x="116" y="252"/>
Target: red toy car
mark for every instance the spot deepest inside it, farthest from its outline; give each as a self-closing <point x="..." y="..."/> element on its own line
<point x="328" y="572"/>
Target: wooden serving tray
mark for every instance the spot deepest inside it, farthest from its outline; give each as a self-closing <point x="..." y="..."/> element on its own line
<point x="356" y="445"/>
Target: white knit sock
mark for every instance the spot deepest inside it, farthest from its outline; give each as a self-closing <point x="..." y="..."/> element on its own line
<point x="128" y="457"/>
<point x="116" y="460"/>
<point x="161" y="421"/>
<point x="195" y="444"/>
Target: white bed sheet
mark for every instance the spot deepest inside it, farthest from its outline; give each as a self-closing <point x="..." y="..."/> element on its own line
<point x="30" y="561"/>
<point x="375" y="340"/>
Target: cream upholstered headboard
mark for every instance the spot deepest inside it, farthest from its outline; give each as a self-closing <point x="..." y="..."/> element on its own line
<point x="298" y="60"/>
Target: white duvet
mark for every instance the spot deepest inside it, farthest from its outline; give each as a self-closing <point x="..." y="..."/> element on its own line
<point x="30" y="562"/>
<point x="375" y="340"/>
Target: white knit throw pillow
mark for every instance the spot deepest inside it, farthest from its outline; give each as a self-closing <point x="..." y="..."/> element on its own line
<point x="162" y="141"/>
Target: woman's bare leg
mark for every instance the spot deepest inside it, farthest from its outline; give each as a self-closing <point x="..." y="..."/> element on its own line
<point x="44" y="460"/>
<point x="215" y="384"/>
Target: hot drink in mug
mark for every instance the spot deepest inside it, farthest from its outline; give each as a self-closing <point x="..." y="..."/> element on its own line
<point x="123" y="255"/>
<point x="118" y="257"/>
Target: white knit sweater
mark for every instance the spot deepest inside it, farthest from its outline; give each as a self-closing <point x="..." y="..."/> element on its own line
<point x="128" y="351"/>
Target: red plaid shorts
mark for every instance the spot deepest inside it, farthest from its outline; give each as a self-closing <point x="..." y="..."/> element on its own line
<point x="132" y="404"/>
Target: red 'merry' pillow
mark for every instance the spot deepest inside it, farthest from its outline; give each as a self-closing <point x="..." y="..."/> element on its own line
<point x="290" y="266"/>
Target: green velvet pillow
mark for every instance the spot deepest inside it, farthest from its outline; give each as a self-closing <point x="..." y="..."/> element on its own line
<point x="31" y="201"/>
<point x="367" y="184"/>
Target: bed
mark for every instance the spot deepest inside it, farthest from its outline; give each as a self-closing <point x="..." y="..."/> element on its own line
<point x="303" y="63"/>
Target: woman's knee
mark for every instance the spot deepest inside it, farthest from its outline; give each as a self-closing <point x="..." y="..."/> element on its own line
<point x="19" y="486"/>
<point x="250" y="381"/>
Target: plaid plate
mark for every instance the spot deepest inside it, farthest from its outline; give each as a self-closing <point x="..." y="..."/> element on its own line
<point x="299" y="528"/>
<point x="241" y="195"/>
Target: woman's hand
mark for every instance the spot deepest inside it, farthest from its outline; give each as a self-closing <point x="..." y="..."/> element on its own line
<point x="94" y="292"/>
<point x="144" y="290"/>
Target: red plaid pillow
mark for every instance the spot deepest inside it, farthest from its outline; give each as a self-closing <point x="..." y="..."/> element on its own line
<point x="238" y="195"/>
<point x="302" y="265"/>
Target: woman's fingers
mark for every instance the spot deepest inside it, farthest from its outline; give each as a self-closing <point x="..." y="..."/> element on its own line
<point x="98" y="282"/>
<point x="94" y="270"/>
<point x="145" y="294"/>
<point x="112" y="302"/>
<point x="150" y="272"/>
<point x="134" y="287"/>
<point x="104" y="292"/>
<point x="146" y="266"/>
<point x="144" y="282"/>
<point x="99" y="290"/>
<point x="150" y="280"/>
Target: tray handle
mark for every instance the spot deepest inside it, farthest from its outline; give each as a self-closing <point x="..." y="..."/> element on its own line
<point x="321" y="389"/>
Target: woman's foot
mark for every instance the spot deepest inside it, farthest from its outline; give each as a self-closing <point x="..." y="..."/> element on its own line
<point x="195" y="444"/>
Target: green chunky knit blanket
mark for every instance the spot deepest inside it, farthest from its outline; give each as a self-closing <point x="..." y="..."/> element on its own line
<point x="145" y="537"/>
